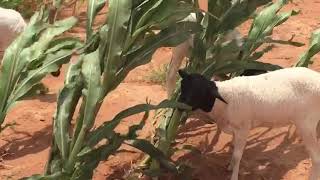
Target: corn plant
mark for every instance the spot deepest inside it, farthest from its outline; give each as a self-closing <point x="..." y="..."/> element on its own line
<point x="34" y="54"/>
<point x="10" y="4"/>
<point x="259" y="34"/>
<point x="25" y="7"/>
<point x="209" y="55"/>
<point x="135" y="29"/>
<point x="314" y="47"/>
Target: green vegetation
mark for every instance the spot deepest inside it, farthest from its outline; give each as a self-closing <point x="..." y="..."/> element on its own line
<point x="135" y="29"/>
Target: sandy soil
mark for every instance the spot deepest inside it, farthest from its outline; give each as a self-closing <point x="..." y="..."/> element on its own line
<point x="270" y="154"/>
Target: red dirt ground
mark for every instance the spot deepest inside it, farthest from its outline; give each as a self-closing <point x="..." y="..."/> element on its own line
<point x="270" y="154"/>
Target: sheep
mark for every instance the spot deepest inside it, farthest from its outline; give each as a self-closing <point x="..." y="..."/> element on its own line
<point x="277" y="98"/>
<point x="11" y="25"/>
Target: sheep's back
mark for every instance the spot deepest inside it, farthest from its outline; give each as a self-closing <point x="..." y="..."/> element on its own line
<point x="11" y="24"/>
<point x="276" y="97"/>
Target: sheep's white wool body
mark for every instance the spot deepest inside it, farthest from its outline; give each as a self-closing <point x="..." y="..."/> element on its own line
<point x="11" y="24"/>
<point x="277" y="98"/>
<point x="273" y="99"/>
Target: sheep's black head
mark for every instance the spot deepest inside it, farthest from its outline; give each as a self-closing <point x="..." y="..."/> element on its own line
<point x="198" y="92"/>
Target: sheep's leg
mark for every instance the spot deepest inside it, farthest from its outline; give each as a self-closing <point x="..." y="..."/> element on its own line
<point x="178" y="53"/>
<point x="309" y="137"/>
<point x="239" y="140"/>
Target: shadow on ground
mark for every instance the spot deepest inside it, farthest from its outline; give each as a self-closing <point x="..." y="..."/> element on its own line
<point x="28" y="144"/>
<point x="258" y="162"/>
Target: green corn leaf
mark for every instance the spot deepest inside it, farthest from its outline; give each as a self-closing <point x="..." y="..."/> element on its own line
<point x="118" y="18"/>
<point x="67" y="101"/>
<point x="238" y="66"/>
<point x="164" y="14"/>
<point x="146" y="147"/>
<point x="314" y="47"/>
<point x="92" y="78"/>
<point x="63" y="43"/>
<point x="103" y="131"/>
<point x="263" y="25"/>
<point x="34" y="52"/>
<point x="171" y="36"/>
<point x="91" y="160"/>
<point x="92" y="75"/>
<point x="50" y="64"/>
<point x="142" y="54"/>
<point x="94" y="6"/>
<point x="177" y="12"/>
<point x="150" y="8"/>
<point x="238" y="13"/>
<point x="103" y="44"/>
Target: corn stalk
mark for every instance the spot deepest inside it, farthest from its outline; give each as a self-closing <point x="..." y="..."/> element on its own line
<point x="209" y="55"/>
<point x="133" y="32"/>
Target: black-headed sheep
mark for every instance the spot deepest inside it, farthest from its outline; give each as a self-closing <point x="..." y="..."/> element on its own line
<point x="277" y="98"/>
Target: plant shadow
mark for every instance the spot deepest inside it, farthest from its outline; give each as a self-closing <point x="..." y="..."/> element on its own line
<point x="28" y="144"/>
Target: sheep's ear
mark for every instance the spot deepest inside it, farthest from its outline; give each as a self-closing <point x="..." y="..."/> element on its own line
<point x="183" y="74"/>
<point x="216" y="93"/>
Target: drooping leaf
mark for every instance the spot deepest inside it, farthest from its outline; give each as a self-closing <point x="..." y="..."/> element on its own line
<point x="146" y="147"/>
<point x="239" y="12"/>
<point x="37" y="49"/>
<point x="67" y="101"/>
<point x="239" y="66"/>
<point x="103" y="131"/>
<point x="314" y="47"/>
<point x="92" y="88"/>
<point x="94" y="6"/>
<point x="63" y="43"/>
<point x="263" y="25"/>
<point x="50" y="64"/>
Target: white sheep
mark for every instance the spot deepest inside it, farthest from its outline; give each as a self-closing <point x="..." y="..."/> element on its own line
<point x="183" y="50"/>
<point x="11" y="25"/>
<point x="277" y="98"/>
